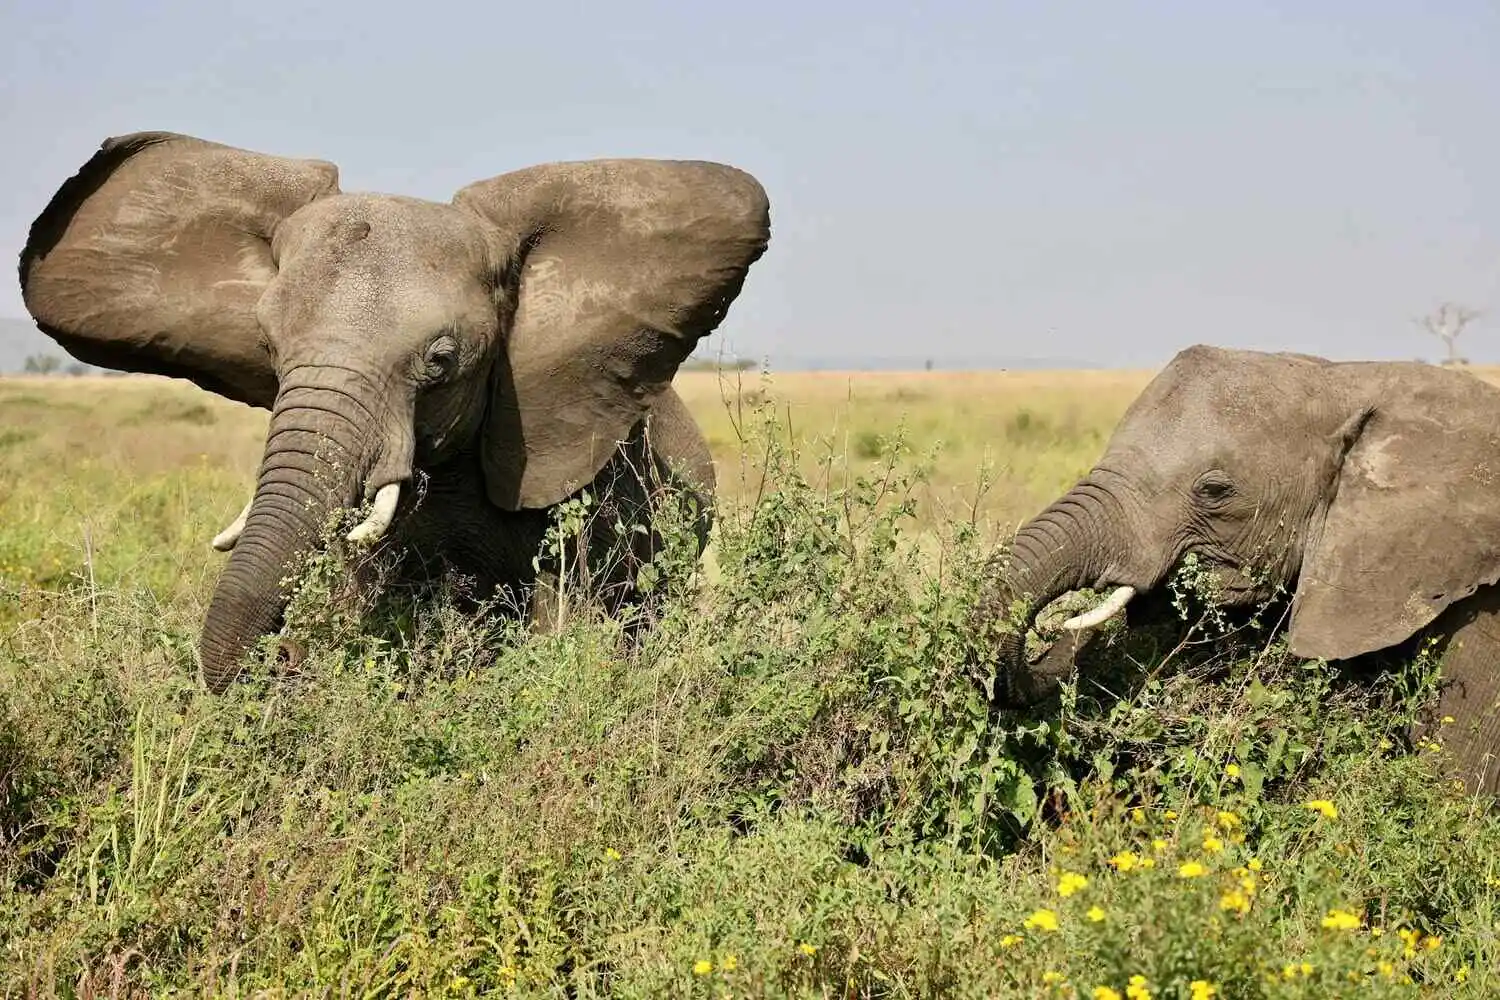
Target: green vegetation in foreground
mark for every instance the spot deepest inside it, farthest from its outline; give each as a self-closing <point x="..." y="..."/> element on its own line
<point x="790" y="788"/>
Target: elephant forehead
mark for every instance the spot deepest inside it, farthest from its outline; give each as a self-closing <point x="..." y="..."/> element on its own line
<point x="387" y="253"/>
<point x="386" y="232"/>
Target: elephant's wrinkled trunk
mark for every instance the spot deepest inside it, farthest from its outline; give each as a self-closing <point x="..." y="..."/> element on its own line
<point x="323" y="451"/>
<point x="1063" y="548"/>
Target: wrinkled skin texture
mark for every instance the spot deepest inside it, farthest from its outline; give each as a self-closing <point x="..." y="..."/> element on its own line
<point x="1367" y="490"/>
<point x="507" y="350"/>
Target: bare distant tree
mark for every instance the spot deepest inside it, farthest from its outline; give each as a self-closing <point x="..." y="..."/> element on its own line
<point x="1446" y="322"/>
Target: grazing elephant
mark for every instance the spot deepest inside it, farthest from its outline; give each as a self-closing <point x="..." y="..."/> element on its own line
<point x="1368" y="490"/>
<point x="510" y="345"/>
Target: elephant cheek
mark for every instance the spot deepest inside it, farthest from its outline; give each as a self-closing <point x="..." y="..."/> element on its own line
<point x="447" y="420"/>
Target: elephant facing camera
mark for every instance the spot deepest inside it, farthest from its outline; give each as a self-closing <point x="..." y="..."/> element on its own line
<point x="515" y="346"/>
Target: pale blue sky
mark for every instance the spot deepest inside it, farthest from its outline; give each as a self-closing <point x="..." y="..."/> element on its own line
<point x="1098" y="181"/>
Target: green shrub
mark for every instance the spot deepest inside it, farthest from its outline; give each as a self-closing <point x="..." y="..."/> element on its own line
<point x="791" y="786"/>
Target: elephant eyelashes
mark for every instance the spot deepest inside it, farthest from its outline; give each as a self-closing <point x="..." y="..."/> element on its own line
<point x="1213" y="487"/>
<point x="439" y="360"/>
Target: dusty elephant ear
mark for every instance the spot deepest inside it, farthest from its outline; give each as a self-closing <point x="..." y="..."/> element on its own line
<point x="619" y="267"/>
<point x="1414" y="526"/>
<point x="152" y="257"/>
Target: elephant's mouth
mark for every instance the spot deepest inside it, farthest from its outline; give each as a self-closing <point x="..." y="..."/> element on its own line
<point x="1224" y="583"/>
<point x="383" y="507"/>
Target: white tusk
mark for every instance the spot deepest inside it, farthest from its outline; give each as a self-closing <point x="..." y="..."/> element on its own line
<point x="1113" y="605"/>
<point x="226" y="539"/>
<point x="373" y="527"/>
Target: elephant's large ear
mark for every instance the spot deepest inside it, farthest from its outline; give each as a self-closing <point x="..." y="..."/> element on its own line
<point x="619" y="267"/>
<point x="152" y="257"/>
<point x="1414" y="525"/>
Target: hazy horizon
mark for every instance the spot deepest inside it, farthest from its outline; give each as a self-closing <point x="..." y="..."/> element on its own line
<point x="1102" y="183"/>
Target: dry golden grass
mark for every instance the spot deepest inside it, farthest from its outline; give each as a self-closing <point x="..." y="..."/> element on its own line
<point x="115" y="452"/>
<point x="1039" y="429"/>
<point x="1036" y="431"/>
<point x="128" y="477"/>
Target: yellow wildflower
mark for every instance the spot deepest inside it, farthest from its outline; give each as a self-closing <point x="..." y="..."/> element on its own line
<point x="610" y="854"/>
<point x="1341" y="920"/>
<point x="1233" y="770"/>
<point x="1290" y="971"/>
<point x="1041" y="920"/>
<point x="1227" y="819"/>
<point x="1254" y="864"/>
<point x="1158" y="844"/>
<point x="1095" y="914"/>
<point x="1050" y="978"/>
<point x="1433" y="943"/>
<point x="1069" y="883"/>
<point x="1376" y="931"/>
<point x="1328" y="809"/>
<point x="730" y="963"/>
<point x="1386" y="969"/>
<point x="1138" y="815"/>
<point x="1447" y="720"/>
<point x="1170" y="814"/>
<point x="1105" y="993"/>
<point x="1190" y="869"/>
<point x="1137" y="990"/>
<point x="1202" y="989"/>
<point x="1213" y="845"/>
<point x="1235" y="901"/>
<point x="1409" y="937"/>
<point x="1010" y="940"/>
<point x="702" y="967"/>
<point x="807" y="949"/>
<point x="1148" y="862"/>
<point x="1124" y="861"/>
<point x="1462" y="975"/>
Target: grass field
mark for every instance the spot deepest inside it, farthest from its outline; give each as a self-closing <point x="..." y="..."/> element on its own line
<point x="790" y="789"/>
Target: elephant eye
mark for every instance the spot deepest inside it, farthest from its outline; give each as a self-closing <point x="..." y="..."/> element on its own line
<point x="1212" y="486"/>
<point x="439" y="360"/>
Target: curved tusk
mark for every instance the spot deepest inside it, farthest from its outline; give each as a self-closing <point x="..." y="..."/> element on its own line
<point x="373" y="527"/>
<point x="1113" y="605"/>
<point x="226" y="539"/>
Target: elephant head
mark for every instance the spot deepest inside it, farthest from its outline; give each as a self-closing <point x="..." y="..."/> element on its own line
<point x="1367" y="489"/>
<point x="532" y="321"/>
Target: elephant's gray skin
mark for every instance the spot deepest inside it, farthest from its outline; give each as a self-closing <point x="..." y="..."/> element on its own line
<point x="510" y="344"/>
<point x="1369" y="490"/>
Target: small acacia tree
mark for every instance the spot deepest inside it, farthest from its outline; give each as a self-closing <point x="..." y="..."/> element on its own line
<point x="1446" y="323"/>
<point x="41" y="364"/>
